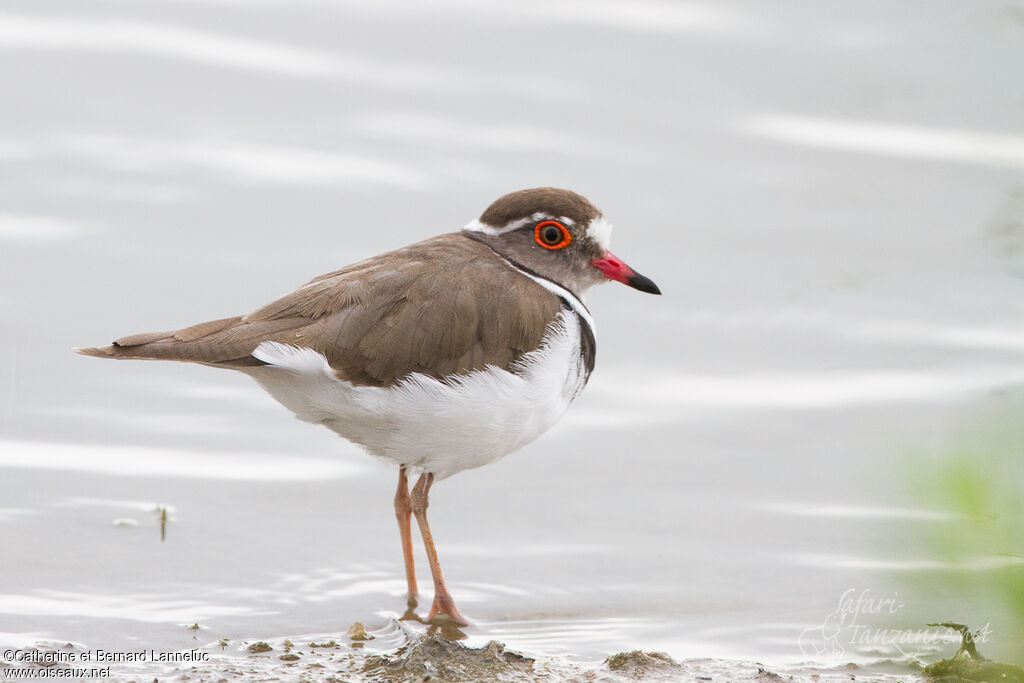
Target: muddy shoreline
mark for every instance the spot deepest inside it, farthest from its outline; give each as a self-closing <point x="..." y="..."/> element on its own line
<point x="399" y="654"/>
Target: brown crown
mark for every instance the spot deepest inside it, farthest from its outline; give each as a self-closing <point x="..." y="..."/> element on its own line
<point x="548" y="200"/>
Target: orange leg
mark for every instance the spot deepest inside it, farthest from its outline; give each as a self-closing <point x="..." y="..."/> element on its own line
<point x="443" y="603"/>
<point x="403" y="512"/>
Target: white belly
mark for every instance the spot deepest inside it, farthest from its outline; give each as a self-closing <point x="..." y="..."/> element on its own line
<point x="423" y="423"/>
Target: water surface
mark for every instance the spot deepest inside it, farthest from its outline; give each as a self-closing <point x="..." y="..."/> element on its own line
<point x="830" y="198"/>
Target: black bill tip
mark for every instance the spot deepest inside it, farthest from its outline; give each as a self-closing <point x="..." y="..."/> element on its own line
<point x="643" y="283"/>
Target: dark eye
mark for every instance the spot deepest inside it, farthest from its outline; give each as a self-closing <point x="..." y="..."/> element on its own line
<point x="552" y="235"/>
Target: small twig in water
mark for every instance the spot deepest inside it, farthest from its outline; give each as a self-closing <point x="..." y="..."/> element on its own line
<point x="966" y="640"/>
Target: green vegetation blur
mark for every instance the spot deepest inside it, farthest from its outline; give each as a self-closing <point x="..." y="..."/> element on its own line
<point x="977" y="552"/>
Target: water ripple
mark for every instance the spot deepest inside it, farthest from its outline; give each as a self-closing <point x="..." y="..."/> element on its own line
<point x="245" y="161"/>
<point x="892" y="139"/>
<point x="127" y="461"/>
<point x="69" y="33"/>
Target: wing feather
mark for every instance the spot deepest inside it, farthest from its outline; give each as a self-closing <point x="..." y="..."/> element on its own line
<point x="445" y="306"/>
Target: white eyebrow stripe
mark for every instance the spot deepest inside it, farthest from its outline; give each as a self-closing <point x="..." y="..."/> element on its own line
<point x="477" y="226"/>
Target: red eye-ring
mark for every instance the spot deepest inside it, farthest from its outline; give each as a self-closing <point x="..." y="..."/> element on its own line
<point x="552" y="235"/>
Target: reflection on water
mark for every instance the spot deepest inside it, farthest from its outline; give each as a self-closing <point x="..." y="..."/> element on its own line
<point x="239" y="160"/>
<point x="78" y="34"/>
<point x="28" y="229"/>
<point x="820" y="391"/>
<point x="979" y="564"/>
<point x="141" y="607"/>
<point x="851" y="512"/>
<point x="825" y="194"/>
<point x="915" y="142"/>
<point x="9" y="514"/>
<point x="154" y="462"/>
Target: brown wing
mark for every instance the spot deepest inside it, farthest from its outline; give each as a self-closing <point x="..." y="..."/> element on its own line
<point x="444" y="306"/>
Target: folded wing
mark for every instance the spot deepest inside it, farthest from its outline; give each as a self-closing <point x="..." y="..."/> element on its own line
<point x="445" y="306"/>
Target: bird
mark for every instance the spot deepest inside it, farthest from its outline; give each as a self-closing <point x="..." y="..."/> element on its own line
<point x="437" y="357"/>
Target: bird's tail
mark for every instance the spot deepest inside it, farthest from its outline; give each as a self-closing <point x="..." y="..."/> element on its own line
<point x="210" y="343"/>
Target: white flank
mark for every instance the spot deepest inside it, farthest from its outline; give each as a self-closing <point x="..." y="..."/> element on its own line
<point x="600" y="230"/>
<point x="423" y="423"/>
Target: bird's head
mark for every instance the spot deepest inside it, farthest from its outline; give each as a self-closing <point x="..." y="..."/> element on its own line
<point x="558" y="235"/>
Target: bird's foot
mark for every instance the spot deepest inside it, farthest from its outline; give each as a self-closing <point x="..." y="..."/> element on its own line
<point x="411" y="602"/>
<point x="444" y="609"/>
